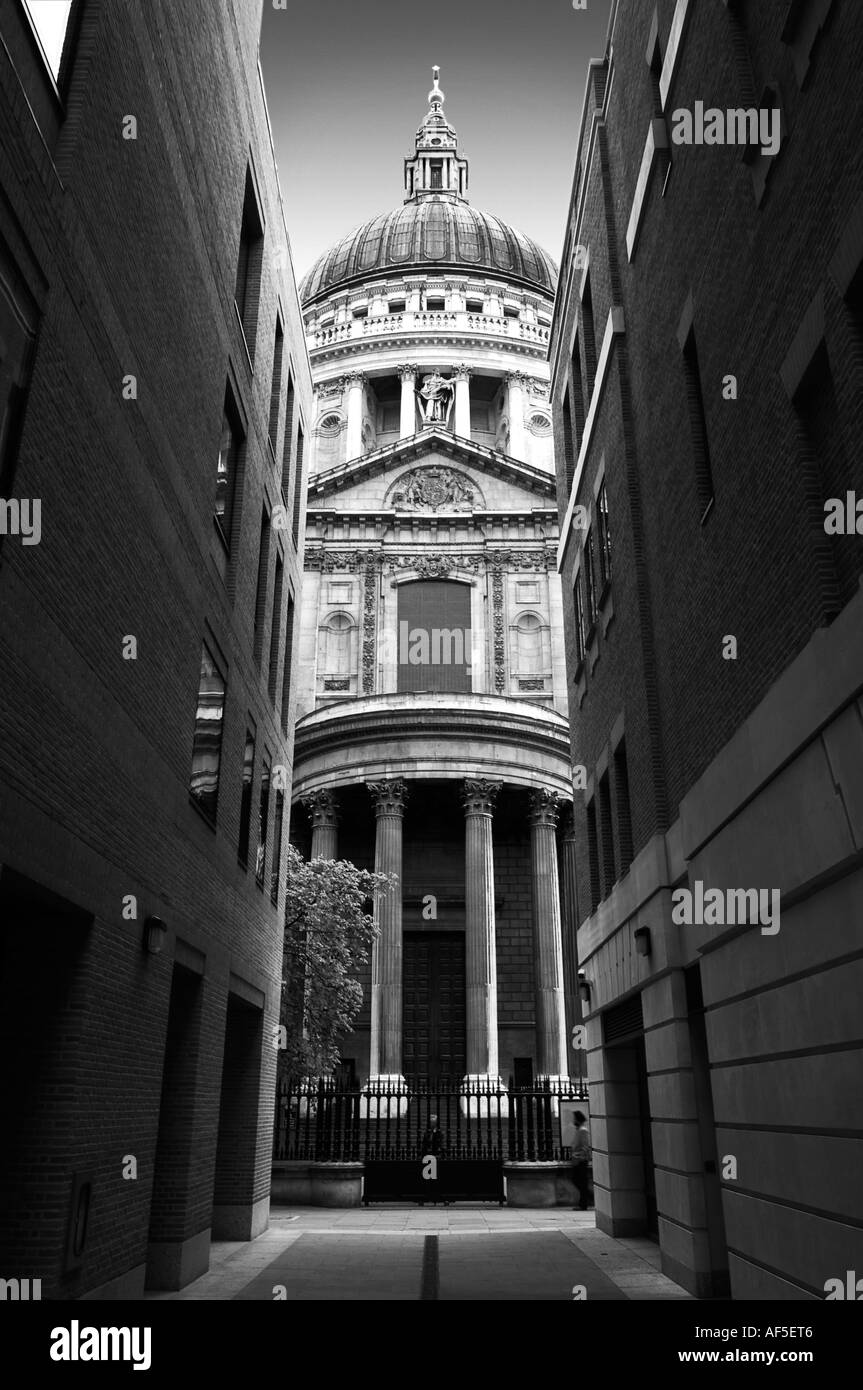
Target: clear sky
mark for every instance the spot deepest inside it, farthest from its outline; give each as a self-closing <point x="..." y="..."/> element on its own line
<point x="347" y="86"/>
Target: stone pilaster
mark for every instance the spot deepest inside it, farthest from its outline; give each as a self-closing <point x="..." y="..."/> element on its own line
<point x="385" y="1057"/>
<point x="323" y="810"/>
<point x="408" y="418"/>
<point x="550" y="1012"/>
<point x="517" y="432"/>
<point x="355" y="384"/>
<point x="480" y="942"/>
<point x="462" y="401"/>
<point x="569" y="932"/>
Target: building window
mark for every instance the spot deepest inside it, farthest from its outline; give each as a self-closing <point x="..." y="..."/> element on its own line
<point x="607" y="832"/>
<point x="276" y="388"/>
<point x="604" y="537"/>
<point x="568" y="443"/>
<point x="288" y="450"/>
<point x="19" y="319"/>
<point x="298" y="485"/>
<point x="624" y="806"/>
<point x="277" y="848"/>
<point x="50" y="21"/>
<point x="227" y="469"/>
<point x="434" y="637"/>
<point x="593" y="856"/>
<point x="436" y="172"/>
<point x="207" y="743"/>
<point x="262" y="585"/>
<point x="276" y="630"/>
<point x="435" y="304"/>
<point x="697" y="426"/>
<point x="362" y="313"/>
<point x="263" y="820"/>
<point x="590" y="583"/>
<point x="806" y="19"/>
<point x="475" y="306"/>
<point x="397" y="306"/>
<point x="580" y="629"/>
<point x="286" y="678"/>
<point x="588" y="334"/>
<point x="246" y="798"/>
<point x="820" y="420"/>
<point x="250" y="258"/>
<point x="578" y="402"/>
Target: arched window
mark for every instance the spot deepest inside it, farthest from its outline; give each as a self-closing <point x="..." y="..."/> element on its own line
<point x="335" y="644"/>
<point x="434" y="637"/>
<point x="530" y="660"/>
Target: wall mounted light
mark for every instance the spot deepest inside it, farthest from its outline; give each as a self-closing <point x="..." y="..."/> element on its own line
<point x="583" y="988"/>
<point x="155" y="933"/>
<point x="643" y="944"/>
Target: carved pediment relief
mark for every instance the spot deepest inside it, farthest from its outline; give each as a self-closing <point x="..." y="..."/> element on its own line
<point x="435" y="489"/>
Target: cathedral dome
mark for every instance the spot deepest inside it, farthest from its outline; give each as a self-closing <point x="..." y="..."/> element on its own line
<point x="439" y="231"/>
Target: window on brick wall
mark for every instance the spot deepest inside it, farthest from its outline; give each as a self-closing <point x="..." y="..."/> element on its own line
<point x="624" y="807"/>
<point x="593" y="856"/>
<point x="580" y="629"/>
<point x="278" y="831"/>
<point x="19" y="320"/>
<point x="262" y="584"/>
<point x="821" y="423"/>
<point x="276" y="630"/>
<point x="298" y="485"/>
<point x="288" y="448"/>
<point x="803" y="25"/>
<point x="606" y="827"/>
<point x="588" y="333"/>
<point x="263" y="819"/>
<point x="227" y="471"/>
<point x="246" y="797"/>
<point x="286" y="677"/>
<point x="250" y="258"/>
<point x="697" y="425"/>
<point x="276" y="387"/>
<point x="569" y="457"/>
<point x="207" y="741"/>
<point x="590" y="583"/>
<point x="578" y="399"/>
<point x="604" y="532"/>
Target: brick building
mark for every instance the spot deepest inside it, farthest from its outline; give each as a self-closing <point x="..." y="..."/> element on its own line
<point x="154" y="392"/>
<point x="707" y="386"/>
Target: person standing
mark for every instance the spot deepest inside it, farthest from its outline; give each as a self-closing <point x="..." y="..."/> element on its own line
<point x="581" y="1160"/>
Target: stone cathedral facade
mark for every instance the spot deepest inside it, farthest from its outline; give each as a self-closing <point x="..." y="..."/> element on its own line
<point x="432" y="739"/>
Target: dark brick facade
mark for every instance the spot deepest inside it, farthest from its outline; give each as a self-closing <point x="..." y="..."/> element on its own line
<point x="120" y="255"/>
<point x="691" y="265"/>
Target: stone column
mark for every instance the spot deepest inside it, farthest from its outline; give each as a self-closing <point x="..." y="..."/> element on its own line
<point x="323" y="810"/>
<point x="548" y="951"/>
<point x="408" y="421"/>
<point x="569" y="895"/>
<point x="355" y="384"/>
<point x="462" y="402"/>
<point x="480" y="944"/>
<point x="385" y="1057"/>
<point x="517" y="433"/>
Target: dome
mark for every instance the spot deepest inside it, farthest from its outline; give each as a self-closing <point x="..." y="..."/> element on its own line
<point x="431" y="232"/>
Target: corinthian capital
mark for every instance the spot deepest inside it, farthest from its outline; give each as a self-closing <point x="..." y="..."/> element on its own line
<point x="390" y="798"/>
<point x="545" y="807"/>
<point x="322" y="806"/>
<point x="479" y="796"/>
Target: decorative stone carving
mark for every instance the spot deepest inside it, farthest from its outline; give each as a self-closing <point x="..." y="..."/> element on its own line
<point x="370" y="595"/>
<point x="532" y="683"/>
<point x="435" y="398"/>
<point x="340" y="683"/>
<point x="462" y="372"/>
<point x="545" y="807"/>
<point x="322" y="807"/>
<point x="390" y="797"/>
<point x="407" y="372"/>
<point x="498" y="629"/>
<point x="435" y="565"/>
<point x="479" y="796"/>
<point x="432" y="489"/>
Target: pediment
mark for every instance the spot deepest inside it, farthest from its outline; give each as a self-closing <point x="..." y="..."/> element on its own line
<point x="433" y="472"/>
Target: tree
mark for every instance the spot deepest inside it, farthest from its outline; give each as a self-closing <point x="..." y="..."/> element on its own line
<point x="329" y="932"/>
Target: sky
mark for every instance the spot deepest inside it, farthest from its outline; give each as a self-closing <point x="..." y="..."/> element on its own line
<point x="347" y="86"/>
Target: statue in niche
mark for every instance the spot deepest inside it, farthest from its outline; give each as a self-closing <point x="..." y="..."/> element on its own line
<point x="435" y="398"/>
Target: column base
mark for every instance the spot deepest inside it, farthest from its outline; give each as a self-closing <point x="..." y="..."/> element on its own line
<point x="384" y="1095"/>
<point x="481" y="1107"/>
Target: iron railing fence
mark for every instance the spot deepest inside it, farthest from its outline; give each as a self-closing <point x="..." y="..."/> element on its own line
<point x="329" y="1120"/>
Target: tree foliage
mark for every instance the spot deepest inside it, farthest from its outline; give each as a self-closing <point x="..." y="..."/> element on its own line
<point x="329" y="931"/>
